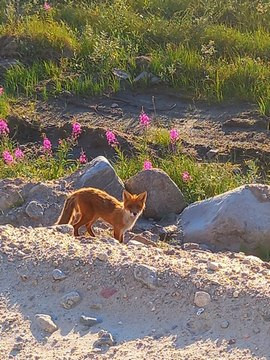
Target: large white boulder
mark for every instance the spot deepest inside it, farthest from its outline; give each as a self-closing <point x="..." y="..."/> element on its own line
<point x="238" y="220"/>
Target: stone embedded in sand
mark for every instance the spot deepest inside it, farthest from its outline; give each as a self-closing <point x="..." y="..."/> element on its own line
<point x="89" y="321"/>
<point x="163" y="195"/>
<point x="147" y="275"/>
<point x="104" y="338"/>
<point x="70" y="300"/>
<point x="46" y="323"/>
<point x="34" y="210"/>
<point x="96" y="306"/>
<point x="58" y="274"/>
<point x="102" y="256"/>
<point x="202" y="299"/>
<point x="225" y="324"/>
<point x="211" y="265"/>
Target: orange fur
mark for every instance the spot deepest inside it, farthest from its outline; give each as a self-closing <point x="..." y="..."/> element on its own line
<point x="87" y="205"/>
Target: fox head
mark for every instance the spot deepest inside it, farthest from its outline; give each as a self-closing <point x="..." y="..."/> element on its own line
<point x="135" y="204"/>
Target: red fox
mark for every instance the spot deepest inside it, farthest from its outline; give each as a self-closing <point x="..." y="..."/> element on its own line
<point x="87" y="205"/>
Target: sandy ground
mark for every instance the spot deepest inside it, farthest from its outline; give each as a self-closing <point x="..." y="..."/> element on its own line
<point x="161" y="322"/>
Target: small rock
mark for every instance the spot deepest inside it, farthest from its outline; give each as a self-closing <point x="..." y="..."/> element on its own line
<point x="70" y="300"/>
<point x="211" y="153"/>
<point x="96" y="306"/>
<point x="236" y="294"/>
<point x="211" y="265"/>
<point x="89" y="321"/>
<point x="190" y="246"/>
<point x="114" y="105"/>
<point x="224" y="324"/>
<point x="147" y="275"/>
<point x="201" y="299"/>
<point x="34" y="210"/>
<point x="104" y="338"/>
<point x="46" y="323"/>
<point x="121" y="74"/>
<point x="102" y="257"/>
<point x="57" y="274"/>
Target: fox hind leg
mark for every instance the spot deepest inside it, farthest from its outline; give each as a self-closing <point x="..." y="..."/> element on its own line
<point x="82" y="221"/>
<point x="89" y="226"/>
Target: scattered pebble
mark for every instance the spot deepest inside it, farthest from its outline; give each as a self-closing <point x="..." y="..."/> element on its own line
<point x="70" y="300"/>
<point x="225" y="324"/>
<point x="201" y="299"/>
<point x="104" y="338"/>
<point x="236" y="294"/>
<point x="58" y="274"/>
<point x="147" y="275"/>
<point x="102" y="257"/>
<point x="96" y="306"/>
<point x="89" y="321"/>
<point x="211" y="265"/>
<point x="190" y="246"/>
<point x="46" y="323"/>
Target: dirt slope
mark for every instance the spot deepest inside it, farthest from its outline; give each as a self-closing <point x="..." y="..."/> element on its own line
<point x="160" y="322"/>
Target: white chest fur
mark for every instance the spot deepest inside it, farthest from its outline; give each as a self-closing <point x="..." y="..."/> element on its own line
<point x="129" y="220"/>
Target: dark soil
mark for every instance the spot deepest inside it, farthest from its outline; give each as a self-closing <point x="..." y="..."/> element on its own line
<point x="236" y="132"/>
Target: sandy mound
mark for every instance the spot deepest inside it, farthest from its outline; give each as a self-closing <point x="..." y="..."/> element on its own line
<point x="143" y="297"/>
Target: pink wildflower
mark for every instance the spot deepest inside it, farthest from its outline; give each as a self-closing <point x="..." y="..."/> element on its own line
<point x="174" y="135"/>
<point x="1" y="90"/>
<point x="19" y="154"/>
<point x="144" y="119"/>
<point x="47" y="6"/>
<point x="4" y="129"/>
<point x="83" y="158"/>
<point x="47" y="145"/>
<point x="8" y="158"/>
<point x="186" y="176"/>
<point x="147" y="165"/>
<point x="111" y="138"/>
<point x="76" y="130"/>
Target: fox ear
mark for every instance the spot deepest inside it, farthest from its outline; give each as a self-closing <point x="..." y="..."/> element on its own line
<point x="126" y="195"/>
<point x="142" y="197"/>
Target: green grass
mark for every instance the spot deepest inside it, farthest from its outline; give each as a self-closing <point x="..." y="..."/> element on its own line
<point x="213" y="50"/>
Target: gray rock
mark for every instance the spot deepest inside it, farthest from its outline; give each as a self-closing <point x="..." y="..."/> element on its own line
<point x="147" y="275"/>
<point x="163" y="195"/>
<point x="237" y="220"/>
<point x="104" y="338"/>
<point x="224" y="324"/>
<point x="10" y="198"/>
<point x="147" y="76"/>
<point x="46" y="323"/>
<point x="69" y="300"/>
<point x="211" y="153"/>
<point x="34" y="210"/>
<point x="89" y="321"/>
<point x="57" y="274"/>
<point x="202" y="299"/>
<point x="101" y="175"/>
